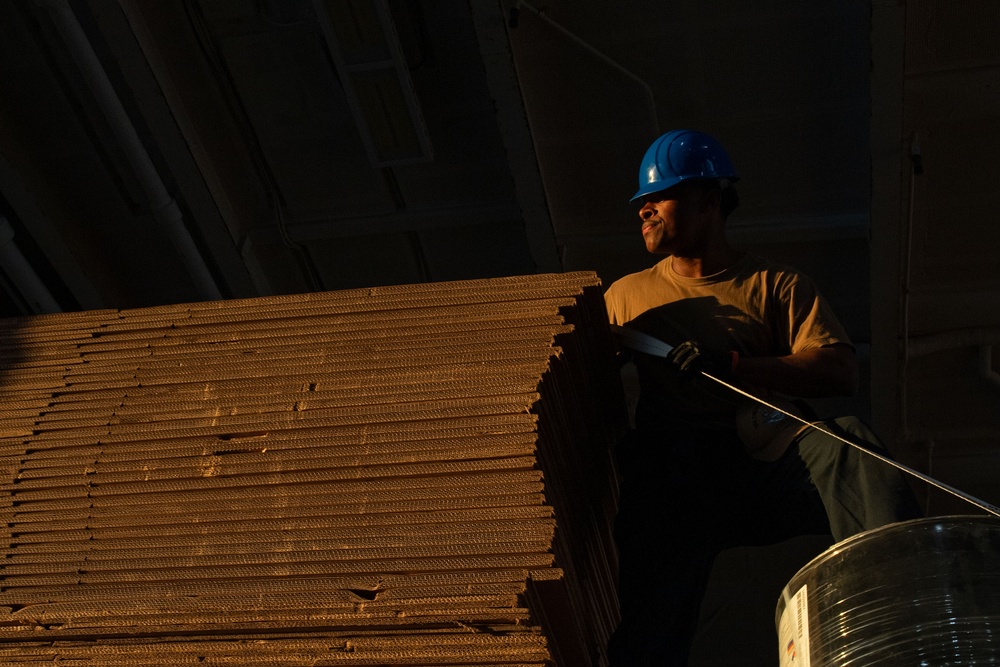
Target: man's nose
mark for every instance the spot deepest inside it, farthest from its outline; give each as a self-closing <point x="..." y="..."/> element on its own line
<point x="646" y="212"/>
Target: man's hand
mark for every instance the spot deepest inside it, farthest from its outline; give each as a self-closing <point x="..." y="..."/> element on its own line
<point x="690" y="360"/>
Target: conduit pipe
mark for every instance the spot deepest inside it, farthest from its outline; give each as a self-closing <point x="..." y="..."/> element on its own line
<point x="986" y="369"/>
<point x="19" y="271"/>
<point x="982" y="337"/>
<point x="163" y="206"/>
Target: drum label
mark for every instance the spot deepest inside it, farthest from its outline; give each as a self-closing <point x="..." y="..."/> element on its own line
<point x="793" y="631"/>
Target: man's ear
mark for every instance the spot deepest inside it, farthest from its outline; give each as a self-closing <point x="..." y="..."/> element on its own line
<point x="711" y="197"/>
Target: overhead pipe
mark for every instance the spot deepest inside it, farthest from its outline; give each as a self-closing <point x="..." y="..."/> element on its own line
<point x="162" y="205"/>
<point x="650" y="96"/>
<point x="20" y="272"/>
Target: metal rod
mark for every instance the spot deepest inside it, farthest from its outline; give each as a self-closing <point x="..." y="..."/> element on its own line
<point x="992" y="509"/>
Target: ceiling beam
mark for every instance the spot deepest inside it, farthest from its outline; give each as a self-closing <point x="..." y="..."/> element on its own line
<point x="490" y="20"/>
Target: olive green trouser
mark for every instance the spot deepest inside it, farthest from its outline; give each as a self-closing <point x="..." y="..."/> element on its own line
<point x="685" y="498"/>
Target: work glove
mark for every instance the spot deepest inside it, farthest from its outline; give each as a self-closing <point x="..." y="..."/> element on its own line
<point x="690" y="360"/>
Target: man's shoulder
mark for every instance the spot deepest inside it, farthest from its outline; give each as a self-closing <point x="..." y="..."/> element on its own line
<point x="752" y="262"/>
<point x="638" y="283"/>
<point x="769" y="271"/>
<point x="634" y="293"/>
<point x="652" y="273"/>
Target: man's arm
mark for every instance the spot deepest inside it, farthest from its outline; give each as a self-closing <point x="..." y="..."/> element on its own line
<point x="818" y="372"/>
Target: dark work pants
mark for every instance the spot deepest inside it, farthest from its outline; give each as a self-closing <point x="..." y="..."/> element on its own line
<point x="685" y="499"/>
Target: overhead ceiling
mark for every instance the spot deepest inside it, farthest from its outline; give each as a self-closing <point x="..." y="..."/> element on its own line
<point x="166" y="151"/>
<point x="315" y="145"/>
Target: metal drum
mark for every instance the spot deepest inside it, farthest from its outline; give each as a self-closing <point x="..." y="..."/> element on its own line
<point x="913" y="594"/>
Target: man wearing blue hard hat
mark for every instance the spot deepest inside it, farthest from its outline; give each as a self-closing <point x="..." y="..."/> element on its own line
<point x="707" y="468"/>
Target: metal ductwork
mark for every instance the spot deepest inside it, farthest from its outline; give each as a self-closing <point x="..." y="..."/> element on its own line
<point x="25" y="280"/>
<point x="163" y="206"/>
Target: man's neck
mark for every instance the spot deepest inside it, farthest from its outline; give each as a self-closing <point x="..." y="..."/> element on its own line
<point x="707" y="265"/>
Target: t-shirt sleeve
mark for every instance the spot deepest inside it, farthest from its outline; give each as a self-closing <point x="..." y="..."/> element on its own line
<point x="808" y="319"/>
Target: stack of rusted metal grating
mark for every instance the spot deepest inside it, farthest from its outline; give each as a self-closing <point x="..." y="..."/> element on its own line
<point x="410" y="475"/>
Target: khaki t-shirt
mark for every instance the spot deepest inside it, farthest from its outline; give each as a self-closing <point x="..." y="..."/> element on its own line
<point x="755" y="307"/>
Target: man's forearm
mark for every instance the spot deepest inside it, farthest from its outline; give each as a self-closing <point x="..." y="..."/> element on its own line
<point x="814" y="373"/>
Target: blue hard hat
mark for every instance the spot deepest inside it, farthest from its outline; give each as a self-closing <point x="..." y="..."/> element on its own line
<point x="680" y="155"/>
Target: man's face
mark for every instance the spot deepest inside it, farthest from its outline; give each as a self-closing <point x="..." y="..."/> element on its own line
<point x="676" y="220"/>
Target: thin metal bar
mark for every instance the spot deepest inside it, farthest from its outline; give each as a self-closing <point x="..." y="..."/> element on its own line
<point x="992" y="509"/>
